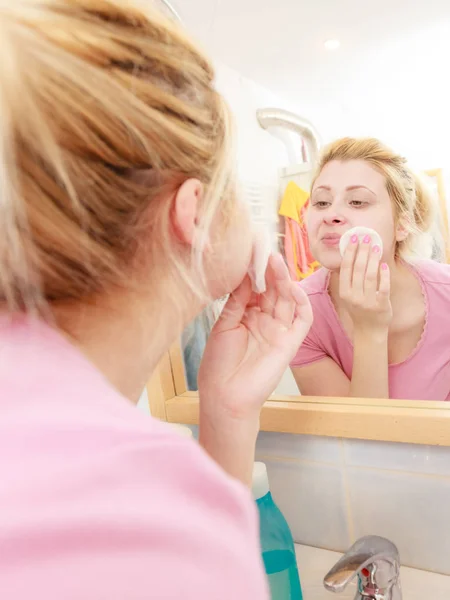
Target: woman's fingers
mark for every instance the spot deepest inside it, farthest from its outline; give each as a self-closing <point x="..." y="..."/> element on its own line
<point x="301" y="326"/>
<point x="290" y="305"/>
<point x="285" y="303"/>
<point x="371" y="279"/>
<point x="303" y="308"/>
<point x="277" y="300"/>
<point x="384" y="288"/>
<point x="235" y="308"/>
<point x="360" y="266"/>
<point x="295" y="334"/>
<point x="268" y="298"/>
<point x="346" y="271"/>
<point x="276" y="334"/>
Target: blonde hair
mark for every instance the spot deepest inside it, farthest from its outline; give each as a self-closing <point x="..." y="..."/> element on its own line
<point x="106" y="107"/>
<point x="412" y="200"/>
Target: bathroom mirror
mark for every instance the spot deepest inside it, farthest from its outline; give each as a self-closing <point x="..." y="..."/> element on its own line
<point x="298" y="77"/>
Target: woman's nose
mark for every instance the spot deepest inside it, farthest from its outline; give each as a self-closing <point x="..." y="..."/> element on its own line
<point x="332" y="218"/>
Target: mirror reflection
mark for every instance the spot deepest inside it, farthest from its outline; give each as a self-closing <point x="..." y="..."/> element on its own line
<point x="343" y="158"/>
<point x="380" y="297"/>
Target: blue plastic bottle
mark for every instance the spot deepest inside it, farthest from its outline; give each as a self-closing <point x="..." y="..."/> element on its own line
<point x="277" y="545"/>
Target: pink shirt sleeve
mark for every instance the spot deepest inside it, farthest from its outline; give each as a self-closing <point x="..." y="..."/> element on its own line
<point x="309" y="352"/>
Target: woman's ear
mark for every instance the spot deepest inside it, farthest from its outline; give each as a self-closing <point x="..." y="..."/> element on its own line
<point x="402" y="231"/>
<point x="185" y="210"/>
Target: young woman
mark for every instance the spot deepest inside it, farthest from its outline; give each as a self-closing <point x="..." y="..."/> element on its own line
<point x="381" y="319"/>
<point x="118" y="224"/>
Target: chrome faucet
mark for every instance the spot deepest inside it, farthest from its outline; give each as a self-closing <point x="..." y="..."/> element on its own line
<point x="376" y="563"/>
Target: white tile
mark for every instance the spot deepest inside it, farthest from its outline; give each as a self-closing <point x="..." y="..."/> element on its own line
<point x="421" y="585"/>
<point x="398" y="457"/>
<point x="312" y="499"/>
<point x="413" y="511"/>
<point x="304" y="447"/>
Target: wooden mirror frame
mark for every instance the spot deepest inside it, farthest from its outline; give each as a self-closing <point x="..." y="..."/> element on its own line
<point x="411" y="421"/>
<point x="438" y="175"/>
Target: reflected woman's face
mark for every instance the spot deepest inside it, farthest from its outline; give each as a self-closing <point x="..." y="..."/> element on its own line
<point x="347" y="194"/>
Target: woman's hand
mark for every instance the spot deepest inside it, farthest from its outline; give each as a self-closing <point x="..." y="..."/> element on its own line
<point x="364" y="286"/>
<point x="252" y="344"/>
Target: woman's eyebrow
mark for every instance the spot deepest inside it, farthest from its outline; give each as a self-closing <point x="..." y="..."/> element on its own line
<point x="358" y="187"/>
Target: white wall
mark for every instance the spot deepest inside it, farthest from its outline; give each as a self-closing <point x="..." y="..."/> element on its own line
<point x="259" y="153"/>
<point x="398" y="92"/>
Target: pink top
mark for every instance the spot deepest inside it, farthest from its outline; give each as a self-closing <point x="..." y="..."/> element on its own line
<point x="100" y="502"/>
<point x="425" y="374"/>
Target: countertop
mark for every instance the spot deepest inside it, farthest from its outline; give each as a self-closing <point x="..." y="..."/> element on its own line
<point x="314" y="564"/>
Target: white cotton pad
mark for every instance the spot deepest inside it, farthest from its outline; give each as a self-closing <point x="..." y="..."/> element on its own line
<point x="361" y="232"/>
<point x="260" y="258"/>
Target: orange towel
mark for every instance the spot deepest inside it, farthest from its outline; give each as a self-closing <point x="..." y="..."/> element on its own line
<point x="300" y="261"/>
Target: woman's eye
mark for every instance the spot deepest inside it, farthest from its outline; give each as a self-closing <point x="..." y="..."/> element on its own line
<point x="357" y="203"/>
<point x="321" y="204"/>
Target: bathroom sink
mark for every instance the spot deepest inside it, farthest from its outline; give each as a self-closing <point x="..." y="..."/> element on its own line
<point x="314" y="564"/>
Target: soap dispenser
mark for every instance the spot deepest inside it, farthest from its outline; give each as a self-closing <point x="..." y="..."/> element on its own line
<point x="277" y="545"/>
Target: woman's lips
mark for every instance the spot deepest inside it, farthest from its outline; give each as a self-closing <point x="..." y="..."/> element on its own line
<point x="331" y="240"/>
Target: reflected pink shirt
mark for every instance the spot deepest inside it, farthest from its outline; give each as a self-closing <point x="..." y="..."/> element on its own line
<point x="100" y="502"/>
<point x="425" y="374"/>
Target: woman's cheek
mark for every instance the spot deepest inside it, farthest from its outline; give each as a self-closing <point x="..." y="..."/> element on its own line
<point x="312" y="222"/>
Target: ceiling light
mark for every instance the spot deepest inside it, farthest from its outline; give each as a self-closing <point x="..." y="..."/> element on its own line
<point x="332" y="44"/>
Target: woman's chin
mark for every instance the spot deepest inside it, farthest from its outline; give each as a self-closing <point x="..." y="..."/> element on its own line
<point x="330" y="262"/>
